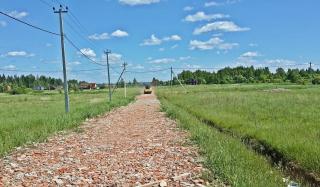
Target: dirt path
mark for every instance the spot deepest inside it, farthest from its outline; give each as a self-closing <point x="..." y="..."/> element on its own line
<point x="131" y="146"/>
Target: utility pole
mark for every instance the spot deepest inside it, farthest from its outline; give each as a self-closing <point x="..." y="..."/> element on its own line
<point x="171" y="80"/>
<point x="107" y="52"/>
<point x="124" y="80"/>
<point x="310" y="66"/>
<point x="66" y="89"/>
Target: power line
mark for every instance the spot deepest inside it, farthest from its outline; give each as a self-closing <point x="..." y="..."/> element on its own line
<point x="151" y="71"/>
<point x="49" y="71"/>
<point x="46" y="3"/>
<point x="79" y="50"/>
<point x="28" y="24"/>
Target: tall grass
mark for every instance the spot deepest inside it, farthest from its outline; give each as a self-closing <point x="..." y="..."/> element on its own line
<point x="286" y="119"/>
<point x="226" y="157"/>
<point x="28" y="118"/>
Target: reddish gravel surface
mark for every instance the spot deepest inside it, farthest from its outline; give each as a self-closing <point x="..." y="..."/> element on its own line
<point x="134" y="145"/>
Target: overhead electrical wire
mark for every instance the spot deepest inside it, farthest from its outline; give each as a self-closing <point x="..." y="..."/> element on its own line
<point x="46" y="3"/>
<point x="30" y="25"/>
<point x="49" y="71"/>
<point x="79" y="50"/>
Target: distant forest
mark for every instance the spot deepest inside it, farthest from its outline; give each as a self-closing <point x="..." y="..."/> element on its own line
<point x="25" y="83"/>
<point x="247" y="75"/>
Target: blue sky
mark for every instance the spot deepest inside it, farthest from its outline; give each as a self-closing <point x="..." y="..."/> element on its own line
<point x="156" y="34"/>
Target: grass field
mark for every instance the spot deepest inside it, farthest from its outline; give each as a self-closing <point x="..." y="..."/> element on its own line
<point x="28" y="118"/>
<point x="284" y="117"/>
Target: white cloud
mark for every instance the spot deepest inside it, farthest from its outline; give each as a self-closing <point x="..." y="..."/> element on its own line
<point x="10" y="67"/>
<point x="153" y="40"/>
<point x="214" y="3"/>
<point x="88" y="52"/>
<point x="201" y="16"/>
<point x="188" y="8"/>
<point x="119" y="33"/>
<point x="250" y="54"/>
<point x="225" y="26"/>
<point x="172" y="38"/>
<point x="102" y="36"/>
<point x="3" y="23"/>
<point x="139" y="66"/>
<point x="18" y="54"/>
<point x="17" y="14"/>
<point x="213" y="43"/>
<point x="114" y="58"/>
<point x="192" y="66"/>
<point x="183" y="58"/>
<point x="253" y="45"/>
<point x="279" y="62"/>
<point x="211" y="3"/>
<point x="162" y="61"/>
<point x="174" y="46"/>
<point x="138" y="2"/>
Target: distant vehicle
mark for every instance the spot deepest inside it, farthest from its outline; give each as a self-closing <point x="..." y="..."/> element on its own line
<point x="147" y="90"/>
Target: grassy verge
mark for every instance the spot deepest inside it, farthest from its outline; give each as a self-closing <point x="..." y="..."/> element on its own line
<point x="282" y="117"/>
<point x="226" y="157"/>
<point x="29" y="118"/>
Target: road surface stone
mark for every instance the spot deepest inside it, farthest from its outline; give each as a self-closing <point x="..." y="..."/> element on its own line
<point x="136" y="145"/>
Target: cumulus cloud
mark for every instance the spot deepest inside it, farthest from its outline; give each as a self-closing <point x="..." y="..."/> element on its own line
<point x="279" y="62"/>
<point x="102" y="36"/>
<point x="10" y="67"/>
<point x="153" y="40"/>
<point x="183" y="58"/>
<point x="162" y="61"/>
<point x="172" y="38"/>
<point x="211" y="3"/>
<point x="18" y="54"/>
<point x="138" y="2"/>
<point x="114" y="58"/>
<point x="168" y="60"/>
<point x="88" y="52"/>
<point x="214" y="3"/>
<point x="213" y="43"/>
<point x="119" y="33"/>
<point x="17" y="14"/>
<point x="225" y="26"/>
<point x="201" y="16"/>
<point x="250" y="54"/>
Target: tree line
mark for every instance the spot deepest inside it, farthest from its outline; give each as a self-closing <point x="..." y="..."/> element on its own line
<point x="15" y="84"/>
<point x="246" y="75"/>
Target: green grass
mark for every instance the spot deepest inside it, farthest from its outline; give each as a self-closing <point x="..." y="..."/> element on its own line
<point x="287" y="120"/>
<point x="226" y="157"/>
<point x="33" y="117"/>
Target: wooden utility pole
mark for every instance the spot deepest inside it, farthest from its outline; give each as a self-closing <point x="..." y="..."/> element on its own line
<point x="124" y="80"/>
<point x="66" y="89"/>
<point x="107" y="52"/>
<point x="171" y="80"/>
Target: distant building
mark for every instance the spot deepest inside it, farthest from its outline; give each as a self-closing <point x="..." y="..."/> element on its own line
<point x="192" y="82"/>
<point x="39" y="88"/>
<point x="88" y="86"/>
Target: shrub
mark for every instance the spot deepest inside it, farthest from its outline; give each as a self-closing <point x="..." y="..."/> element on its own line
<point x="316" y="80"/>
<point x="18" y="90"/>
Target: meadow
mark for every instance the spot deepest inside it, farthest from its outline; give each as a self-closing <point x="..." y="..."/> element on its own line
<point x="33" y="117"/>
<point x="285" y="118"/>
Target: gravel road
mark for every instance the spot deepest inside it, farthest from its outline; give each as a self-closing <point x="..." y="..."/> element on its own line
<point x="134" y="145"/>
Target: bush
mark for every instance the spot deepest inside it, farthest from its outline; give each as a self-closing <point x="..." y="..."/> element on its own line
<point x="19" y="90"/>
<point x="316" y="80"/>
